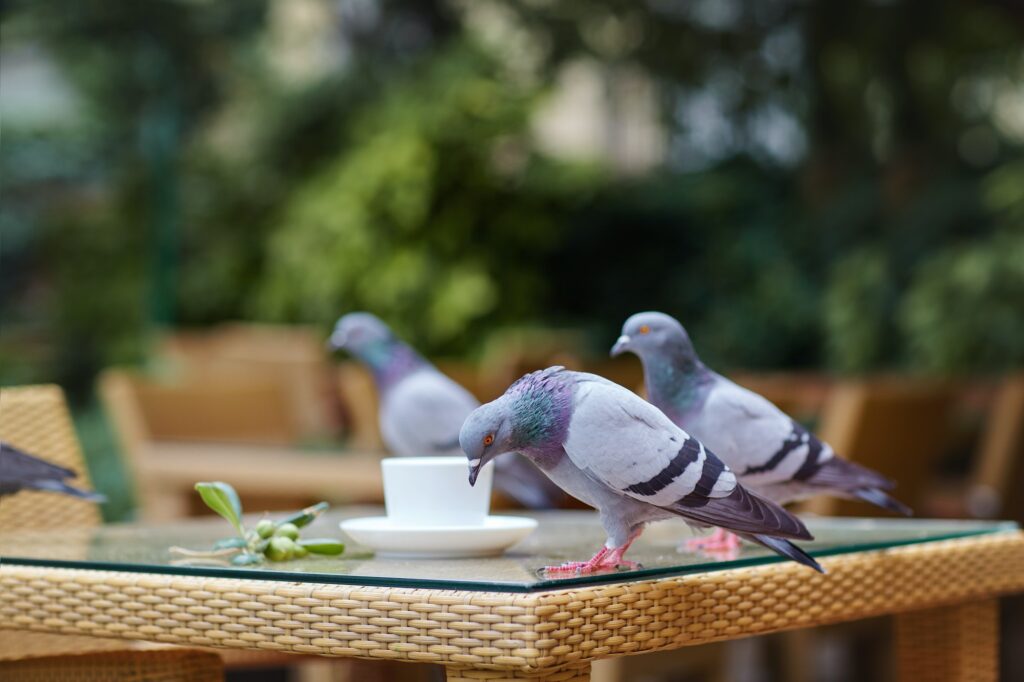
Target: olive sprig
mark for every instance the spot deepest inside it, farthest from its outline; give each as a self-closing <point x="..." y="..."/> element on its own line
<point x="269" y="539"/>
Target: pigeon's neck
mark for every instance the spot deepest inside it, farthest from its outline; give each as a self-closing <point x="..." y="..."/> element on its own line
<point x="390" y="361"/>
<point x="542" y="405"/>
<point x="676" y="383"/>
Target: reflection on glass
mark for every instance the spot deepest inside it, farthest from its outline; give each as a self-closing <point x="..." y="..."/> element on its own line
<point x="561" y="536"/>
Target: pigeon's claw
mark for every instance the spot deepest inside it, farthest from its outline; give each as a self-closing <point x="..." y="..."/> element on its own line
<point x="581" y="567"/>
<point x="606" y="559"/>
<point x="719" y="542"/>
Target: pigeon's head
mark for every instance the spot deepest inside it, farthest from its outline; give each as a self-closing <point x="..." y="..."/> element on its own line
<point x="356" y="332"/>
<point x="486" y="433"/>
<point x="653" y="333"/>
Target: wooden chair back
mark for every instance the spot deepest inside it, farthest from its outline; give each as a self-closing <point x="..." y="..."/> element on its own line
<point x="292" y="357"/>
<point x="239" y="410"/>
<point x="997" y="482"/>
<point x="358" y="396"/>
<point x="900" y="427"/>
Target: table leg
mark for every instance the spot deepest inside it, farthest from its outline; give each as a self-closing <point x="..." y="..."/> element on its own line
<point x="578" y="673"/>
<point x="950" y="644"/>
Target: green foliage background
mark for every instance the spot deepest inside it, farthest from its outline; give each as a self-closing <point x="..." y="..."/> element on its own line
<point x="195" y="183"/>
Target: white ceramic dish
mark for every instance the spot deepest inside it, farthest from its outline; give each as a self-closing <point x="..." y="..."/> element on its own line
<point x="391" y="539"/>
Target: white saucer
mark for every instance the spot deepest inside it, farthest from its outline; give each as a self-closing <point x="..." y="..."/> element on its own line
<point x="391" y="539"/>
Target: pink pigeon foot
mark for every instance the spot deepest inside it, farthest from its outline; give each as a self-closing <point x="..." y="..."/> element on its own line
<point x="719" y="542"/>
<point x="606" y="559"/>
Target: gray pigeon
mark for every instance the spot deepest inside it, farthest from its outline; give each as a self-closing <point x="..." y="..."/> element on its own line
<point x="422" y="410"/>
<point x="609" y="448"/>
<point x="22" y="471"/>
<point x="771" y="453"/>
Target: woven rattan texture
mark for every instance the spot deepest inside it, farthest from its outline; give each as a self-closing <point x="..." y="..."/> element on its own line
<point x="19" y="644"/>
<point x="167" y="665"/>
<point x="958" y="643"/>
<point x="527" y="632"/>
<point x="36" y="419"/>
<point x="571" y="674"/>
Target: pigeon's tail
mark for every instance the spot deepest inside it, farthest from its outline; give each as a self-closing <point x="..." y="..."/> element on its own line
<point x="847" y="479"/>
<point x="516" y="477"/>
<point x="786" y="549"/>
<point x="53" y="486"/>
<point x="880" y="498"/>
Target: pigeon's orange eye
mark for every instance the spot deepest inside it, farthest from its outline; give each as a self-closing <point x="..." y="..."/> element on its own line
<point x="488" y="439"/>
<point x="644" y="329"/>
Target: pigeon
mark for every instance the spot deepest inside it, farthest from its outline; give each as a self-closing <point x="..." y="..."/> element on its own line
<point x="422" y="410"/>
<point x="772" y="454"/>
<point x="612" y="450"/>
<point x="22" y="471"/>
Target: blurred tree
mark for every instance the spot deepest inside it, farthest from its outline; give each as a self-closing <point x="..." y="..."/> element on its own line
<point x="830" y="176"/>
<point x="964" y="309"/>
<point x="433" y="214"/>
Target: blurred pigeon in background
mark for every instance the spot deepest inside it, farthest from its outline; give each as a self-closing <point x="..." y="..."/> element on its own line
<point x="608" y="447"/>
<point x="770" y="452"/>
<point x="22" y="471"/>
<point x="422" y="410"/>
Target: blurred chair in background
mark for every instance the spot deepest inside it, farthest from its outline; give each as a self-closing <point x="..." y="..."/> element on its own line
<point x="996" y="488"/>
<point x="290" y="358"/>
<point x="36" y="419"/>
<point x="625" y="371"/>
<point x="131" y="665"/>
<point x="175" y="434"/>
<point x="900" y="427"/>
<point x="358" y="396"/>
<point x="992" y="487"/>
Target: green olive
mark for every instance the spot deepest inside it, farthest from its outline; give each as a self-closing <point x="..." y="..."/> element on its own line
<point x="265" y="528"/>
<point x="280" y="549"/>
<point x="287" y="530"/>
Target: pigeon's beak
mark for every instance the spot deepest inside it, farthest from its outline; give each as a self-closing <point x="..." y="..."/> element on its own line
<point x="336" y="342"/>
<point x="621" y="345"/>
<point x="475" y="465"/>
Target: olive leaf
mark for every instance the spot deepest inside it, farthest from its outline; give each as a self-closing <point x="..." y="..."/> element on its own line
<point x="222" y="498"/>
<point x="247" y="559"/>
<point x="327" y="546"/>
<point x="234" y="543"/>
<point x="305" y="516"/>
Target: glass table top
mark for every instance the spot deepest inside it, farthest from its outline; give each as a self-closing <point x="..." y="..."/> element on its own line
<point x="560" y="536"/>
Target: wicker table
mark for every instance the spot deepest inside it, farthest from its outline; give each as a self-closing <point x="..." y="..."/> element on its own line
<point x="490" y="619"/>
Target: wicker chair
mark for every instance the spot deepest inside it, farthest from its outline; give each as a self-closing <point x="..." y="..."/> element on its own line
<point x="898" y="426"/>
<point x="36" y="419"/>
<point x="167" y="665"/>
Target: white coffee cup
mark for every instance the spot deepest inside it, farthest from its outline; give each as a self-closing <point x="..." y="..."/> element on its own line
<point x="435" y="491"/>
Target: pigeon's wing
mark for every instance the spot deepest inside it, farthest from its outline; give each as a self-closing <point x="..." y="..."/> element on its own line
<point x="776" y="455"/>
<point x="758" y="440"/>
<point x="423" y="413"/>
<point x="18" y="465"/>
<point x="633" y="448"/>
<point x="50" y="485"/>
